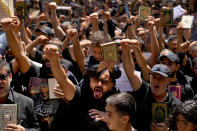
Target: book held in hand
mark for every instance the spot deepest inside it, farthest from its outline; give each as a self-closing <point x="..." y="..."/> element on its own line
<point x="22" y="10"/>
<point x="175" y="90"/>
<point x="8" y="115"/>
<point x="168" y="16"/>
<point x="6" y="8"/>
<point x="42" y="87"/>
<point x="144" y="12"/>
<point x="159" y="112"/>
<point x="187" y="21"/>
<point x="109" y="52"/>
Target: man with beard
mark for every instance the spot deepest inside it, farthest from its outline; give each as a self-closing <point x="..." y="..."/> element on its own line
<point x="177" y="76"/>
<point x="87" y="101"/>
<point x="29" y="69"/>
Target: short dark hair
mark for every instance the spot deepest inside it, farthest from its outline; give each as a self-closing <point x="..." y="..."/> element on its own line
<point x="171" y="38"/>
<point x="4" y="64"/>
<point x="100" y="37"/>
<point x="189" y="111"/>
<point x="124" y="104"/>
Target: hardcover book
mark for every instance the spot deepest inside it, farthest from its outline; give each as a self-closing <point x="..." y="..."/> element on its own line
<point x="168" y="16"/>
<point x="159" y="112"/>
<point x="144" y="12"/>
<point x="6" y="8"/>
<point x="22" y="10"/>
<point x="8" y="115"/>
<point x="175" y="90"/>
<point x="34" y="13"/>
<point x="109" y="52"/>
<point x="187" y="21"/>
<point x="42" y="87"/>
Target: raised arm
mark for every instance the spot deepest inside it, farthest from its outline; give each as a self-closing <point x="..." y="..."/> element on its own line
<point x="78" y="52"/>
<point x="154" y="43"/>
<point x="55" y="22"/>
<point x="128" y="64"/>
<point x="142" y="62"/>
<point x="159" y="22"/>
<point x="10" y="24"/>
<point x="59" y="73"/>
<point x="30" y="48"/>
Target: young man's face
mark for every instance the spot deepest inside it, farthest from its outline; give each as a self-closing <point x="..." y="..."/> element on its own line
<point x="5" y="80"/>
<point x="159" y="84"/>
<point x="184" y="125"/>
<point x="96" y="52"/>
<point x="102" y="85"/>
<point x="112" y="118"/>
<point x="171" y="65"/>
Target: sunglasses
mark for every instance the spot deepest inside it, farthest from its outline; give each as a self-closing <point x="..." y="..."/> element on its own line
<point x="103" y="82"/>
<point x="3" y="76"/>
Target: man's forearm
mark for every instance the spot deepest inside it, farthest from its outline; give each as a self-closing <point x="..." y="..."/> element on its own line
<point x="79" y="55"/>
<point x="154" y="48"/>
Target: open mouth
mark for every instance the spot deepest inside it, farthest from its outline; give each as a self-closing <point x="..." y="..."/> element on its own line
<point x="98" y="92"/>
<point x="47" y="63"/>
<point x="1" y="87"/>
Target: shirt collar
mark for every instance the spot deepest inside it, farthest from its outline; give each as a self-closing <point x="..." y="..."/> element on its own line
<point x="10" y="98"/>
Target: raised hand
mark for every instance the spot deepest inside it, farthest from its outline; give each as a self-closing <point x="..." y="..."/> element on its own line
<point x="52" y="53"/>
<point x="53" y="5"/>
<point x="179" y="28"/>
<point x="72" y="34"/>
<point x="150" y="23"/>
<point x="14" y="127"/>
<point x="184" y="47"/>
<point x="42" y="40"/>
<point x="94" y="17"/>
<point x="96" y="114"/>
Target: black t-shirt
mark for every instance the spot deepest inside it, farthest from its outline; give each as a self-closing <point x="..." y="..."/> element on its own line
<point x="75" y="68"/>
<point x="45" y="109"/>
<point x="82" y="102"/>
<point x="144" y="100"/>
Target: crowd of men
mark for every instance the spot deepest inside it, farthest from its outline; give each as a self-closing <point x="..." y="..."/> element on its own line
<point x="65" y="42"/>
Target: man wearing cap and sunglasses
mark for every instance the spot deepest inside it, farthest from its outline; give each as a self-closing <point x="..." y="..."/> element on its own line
<point x="146" y="94"/>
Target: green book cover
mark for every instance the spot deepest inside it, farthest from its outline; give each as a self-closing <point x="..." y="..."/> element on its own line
<point x="144" y="12"/>
<point x="22" y="10"/>
<point x="159" y="112"/>
<point x="168" y="16"/>
<point x="109" y="52"/>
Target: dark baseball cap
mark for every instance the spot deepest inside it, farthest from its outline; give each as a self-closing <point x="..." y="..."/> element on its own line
<point x="92" y="71"/>
<point x="47" y="30"/>
<point x="161" y="69"/>
<point x="171" y="56"/>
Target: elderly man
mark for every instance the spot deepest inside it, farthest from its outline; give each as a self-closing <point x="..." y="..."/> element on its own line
<point x="146" y="94"/>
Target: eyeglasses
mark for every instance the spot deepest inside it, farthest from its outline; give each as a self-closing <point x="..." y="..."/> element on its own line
<point x="3" y="76"/>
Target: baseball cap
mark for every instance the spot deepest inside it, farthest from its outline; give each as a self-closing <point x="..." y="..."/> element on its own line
<point x="47" y="30"/>
<point x="171" y="56"/>
<point x="92" y="71"/>
<point x="161" y="69"/>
